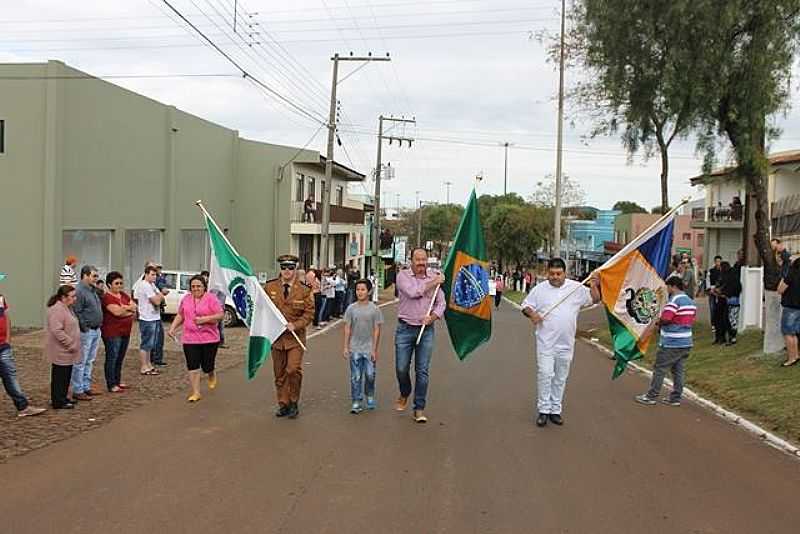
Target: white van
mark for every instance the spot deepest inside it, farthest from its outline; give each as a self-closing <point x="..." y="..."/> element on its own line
<point x="178" y="285"/>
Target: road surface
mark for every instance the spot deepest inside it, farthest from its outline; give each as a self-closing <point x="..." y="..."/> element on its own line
<point x="479" y="466"/>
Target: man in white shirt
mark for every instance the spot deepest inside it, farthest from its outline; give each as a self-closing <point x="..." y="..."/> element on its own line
<point x="149" y="300"/>
<point x="555" y="333"/>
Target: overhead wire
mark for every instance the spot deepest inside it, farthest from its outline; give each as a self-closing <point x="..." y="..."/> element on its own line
<point x="299" y="109"/>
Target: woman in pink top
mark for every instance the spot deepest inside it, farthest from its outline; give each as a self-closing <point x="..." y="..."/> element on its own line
<point x="498" y="295"/>
<point x="199" y="313"/>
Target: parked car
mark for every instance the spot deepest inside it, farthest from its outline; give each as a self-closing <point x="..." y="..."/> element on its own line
<point x="178" y="285"/>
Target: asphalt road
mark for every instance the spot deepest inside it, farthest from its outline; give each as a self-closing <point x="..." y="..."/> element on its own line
<point x="479" y="466"/>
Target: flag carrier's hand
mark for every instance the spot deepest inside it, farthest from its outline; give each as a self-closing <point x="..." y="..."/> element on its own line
<point x="533" y="315"/>
<point x="290" y="327"/>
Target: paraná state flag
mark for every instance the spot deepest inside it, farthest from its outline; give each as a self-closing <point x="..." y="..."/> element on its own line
<point x="466" y="287"/>
<point x="633" y="290"/>
<point x="231" y="274"/>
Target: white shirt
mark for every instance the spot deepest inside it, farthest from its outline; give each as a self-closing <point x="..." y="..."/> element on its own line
<point x="556" y="334"/>
<point x="142" y="292"/>
<point x="492" y="287"/>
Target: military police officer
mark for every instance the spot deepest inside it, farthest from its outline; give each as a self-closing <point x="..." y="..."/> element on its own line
<point x="296" y="302"/>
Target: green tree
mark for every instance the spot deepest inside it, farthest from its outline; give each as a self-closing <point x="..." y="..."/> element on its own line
<point x="439" y="223"/>
<point x="627" y="206"/>
<point x="515" y="232"/>
<point x="747" y="79"/>
<point x="639" y="63"/>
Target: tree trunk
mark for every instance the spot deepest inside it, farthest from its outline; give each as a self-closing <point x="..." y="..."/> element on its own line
<point x="663" y="148"/>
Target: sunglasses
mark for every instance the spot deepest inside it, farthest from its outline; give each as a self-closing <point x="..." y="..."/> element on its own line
<point x="288" y="267"/>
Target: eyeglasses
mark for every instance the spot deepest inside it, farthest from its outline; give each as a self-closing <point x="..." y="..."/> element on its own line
<point x="288" y="267"/>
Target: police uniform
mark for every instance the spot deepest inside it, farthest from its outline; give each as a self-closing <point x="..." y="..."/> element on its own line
<point x="296" y="302"/>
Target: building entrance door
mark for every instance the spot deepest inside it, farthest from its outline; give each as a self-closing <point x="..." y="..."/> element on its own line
<point x="306" y="250"/>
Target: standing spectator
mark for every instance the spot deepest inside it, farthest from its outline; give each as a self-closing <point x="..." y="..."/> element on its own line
<point x="732" y="289"/>
<point x="493" y="288"/>
<point x="89" y="311"/>
<point x="313" y="282"/>
<point x="221" y="298"/>
<point x="67" y="276"/>
<point x="329" y="289"/>
<point x="199" y="312"/>
<point x="517" y="279"/>
<point x="789" y="289"/>
<point x="528" y="280"/>
<point x="149" y="301"/>
<point x="782" y="256"/>
<point x="157" y="354"/>
<point x="118" y="314"/>
<point x="62" y="345"/>
<point x="713" y="281"/>
<point x="687" y="275"/>
<point x="727" y="293"/>
<point x="674" y="344"/>
<point x="353" y="276"/>
<point x="499" y="287"/>
<point x="8" y="367"/>
<point x="375" y="289"/>
<point x="340" y="286"/>
<point x="308" y="209"/>
<point x="362" y="335"/>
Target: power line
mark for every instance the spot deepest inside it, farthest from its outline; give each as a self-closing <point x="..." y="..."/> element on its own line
<point x="118" y="76"/>
<point x="242" y="69"/>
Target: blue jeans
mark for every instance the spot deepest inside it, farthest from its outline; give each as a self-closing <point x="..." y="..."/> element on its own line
<point x="115" y="355"/>
<point x="157" y="354"/>
<point x="405" y="346"/>
<point x="362" y="376"/>
<point x="82" y="371"/>
<point x="8" y="373"/>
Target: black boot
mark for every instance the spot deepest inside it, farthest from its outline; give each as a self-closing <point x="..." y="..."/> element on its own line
<point x="541" y="420"/>
<point x="282" y="411"/>
<point x="294" y="411"/>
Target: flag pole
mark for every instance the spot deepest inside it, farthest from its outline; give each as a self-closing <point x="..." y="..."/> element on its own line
<point x="627" y="248"/>
<point x="430" y="307"/>
<point x="199" y="204"/>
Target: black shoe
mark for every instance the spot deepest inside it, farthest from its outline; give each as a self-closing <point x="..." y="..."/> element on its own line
<point x="541" y="420"/>
<point x="282" y="411"/>
<point x="556" y="419"/>
<point x="160" y="364"/>
<point x="294" y="411"/>
<point x="65" y="406"/>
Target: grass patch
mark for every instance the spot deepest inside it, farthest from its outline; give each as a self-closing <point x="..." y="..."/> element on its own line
<point x="740" y="378"/>
<point x="515" y="296"/>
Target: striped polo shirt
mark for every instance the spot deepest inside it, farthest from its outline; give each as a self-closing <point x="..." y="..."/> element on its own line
<point x="676" y="322"/>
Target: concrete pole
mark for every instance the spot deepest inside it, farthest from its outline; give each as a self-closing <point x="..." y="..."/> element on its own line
<point x="419" y="219"/>
<point x="326" y="191"/>
<point x="505" y="172"/>
<point x="559" y="152"/>
<point x="377" y="222"/>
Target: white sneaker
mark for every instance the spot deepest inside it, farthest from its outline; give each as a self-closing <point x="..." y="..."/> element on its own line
<point x="644" y="399"/>
<point x="356" y="408"/>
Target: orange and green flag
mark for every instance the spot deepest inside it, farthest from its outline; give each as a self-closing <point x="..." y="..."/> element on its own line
<point x="466" y="288"/>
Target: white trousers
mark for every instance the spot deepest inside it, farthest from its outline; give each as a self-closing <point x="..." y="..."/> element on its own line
<point x="551" y="380"/>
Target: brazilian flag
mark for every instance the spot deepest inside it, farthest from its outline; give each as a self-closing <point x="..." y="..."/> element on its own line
<point x="466" y="287"/>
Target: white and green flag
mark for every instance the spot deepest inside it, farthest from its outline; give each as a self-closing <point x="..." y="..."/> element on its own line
<point x="232" y="275"/>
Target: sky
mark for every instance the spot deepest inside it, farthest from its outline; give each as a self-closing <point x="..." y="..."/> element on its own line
<point x="470" y="72"/>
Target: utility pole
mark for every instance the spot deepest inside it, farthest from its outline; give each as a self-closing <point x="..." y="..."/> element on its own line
<point x="505" y="172"/>
<point x="448" y="184"/>
<point x="559" y="152"/>
<point x="419" y="217"/>
<point x="326" y="191"/>
<point x="378" y="169"/>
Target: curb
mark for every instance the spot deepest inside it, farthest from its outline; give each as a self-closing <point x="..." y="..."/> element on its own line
<point x="764" y="435"/>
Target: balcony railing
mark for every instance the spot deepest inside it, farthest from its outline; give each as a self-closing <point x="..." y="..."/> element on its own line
<point x="731" y="213"/>
<point x="339" y="214"/>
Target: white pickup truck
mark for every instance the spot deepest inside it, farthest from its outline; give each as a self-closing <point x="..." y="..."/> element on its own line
<point x="178" y="285"/>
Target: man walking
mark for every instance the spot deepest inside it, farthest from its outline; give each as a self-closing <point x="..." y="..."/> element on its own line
<point x="674" y="344"/>
<point x="295" y="300"/>
<point x="8" y="367"/>
<point x="553" y="309"/>
<point x="89" y="311"/>
<point x="415" y="289"/>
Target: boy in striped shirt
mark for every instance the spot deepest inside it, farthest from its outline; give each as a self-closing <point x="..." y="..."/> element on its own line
<point x="674" y="344"/>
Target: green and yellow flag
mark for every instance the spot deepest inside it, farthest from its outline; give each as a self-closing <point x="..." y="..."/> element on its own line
<point x="466" y="287"/>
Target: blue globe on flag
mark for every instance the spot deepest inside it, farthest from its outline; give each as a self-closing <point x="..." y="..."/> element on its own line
<point x="471" y="285"/>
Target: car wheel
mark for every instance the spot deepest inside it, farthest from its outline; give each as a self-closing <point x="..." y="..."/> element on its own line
<point x="230" y="319"/>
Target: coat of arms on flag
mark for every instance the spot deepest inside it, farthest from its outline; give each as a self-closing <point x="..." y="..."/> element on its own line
<point x="633" y="289"/>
